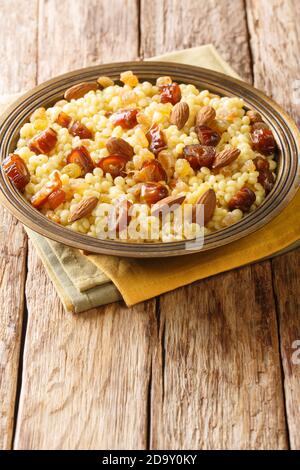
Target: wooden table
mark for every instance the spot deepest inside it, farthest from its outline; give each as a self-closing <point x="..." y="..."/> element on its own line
<point x="207" y="366"/>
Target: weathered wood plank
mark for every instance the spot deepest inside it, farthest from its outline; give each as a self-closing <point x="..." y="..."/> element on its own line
<point x="18" y="72"/>
<point x="275" y="34"/>
<point x="216" y="377"/>
<point x="84" y="33"/>
<point x="286" y="283"/>
<point x="13" y="271"/>
<point x="18" y="51"/>
<point x="171" y="25"/>
<point x="86" y="377"/>
<point x="217" y="381"/>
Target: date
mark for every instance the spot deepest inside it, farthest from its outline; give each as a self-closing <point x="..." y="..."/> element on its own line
<point x="119" y="146"/>
<point x="156" y="139"/>
<point x="170" y="93"/>
<point x="81" y="156"/>
<point x="263" y="141"/>
<point x="152" y="171"/>
<point x="266" y="179"/>
<point x="16" y="170"/>
<point x="41" y="197"/>
<point x="207" y="136"/>
<point x="44" y="142"/>
<point x="261" y="163"/>
<point x="63" y="119"/>
<point x="113" y="164"/>
<point x="265" y="175"/>
<point x="150" y="193"/>
<point x="126" y="118"/>
<point x="199" y="155"/>
<point x="242" y="200"/>
<point x="76" y="128"/>
<point x="56" y="198"/>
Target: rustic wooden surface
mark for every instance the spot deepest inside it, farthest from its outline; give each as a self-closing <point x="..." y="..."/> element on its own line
<point x="213" y="365"/>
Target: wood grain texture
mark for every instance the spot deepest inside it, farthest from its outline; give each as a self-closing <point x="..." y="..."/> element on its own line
<point x="286" y="282"/>
<point x="275" y="34"/>
<point x="16" y="75"/>
<point x="170" y="25"/>
<point x="86" y="377"/>
<point x="19" y="46"/>
<point x="218" y="384"/>
<point x="85" y="33"/>
<point x="12" y="281"/>
<point x="274" y="38"/>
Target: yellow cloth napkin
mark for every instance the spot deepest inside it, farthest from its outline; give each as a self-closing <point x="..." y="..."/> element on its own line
<point x="83" y="282"/>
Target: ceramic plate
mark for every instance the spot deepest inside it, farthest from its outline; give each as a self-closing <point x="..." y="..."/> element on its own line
<point x="283" y="127"/>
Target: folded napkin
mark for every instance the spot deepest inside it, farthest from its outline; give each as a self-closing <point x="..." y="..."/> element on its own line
<point x="84" y="282"/>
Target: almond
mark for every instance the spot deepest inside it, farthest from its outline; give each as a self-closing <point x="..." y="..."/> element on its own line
<point x="254" y="116"/>
<point x="180" y="114"/>
<point x="84" y="208"/>
<point x="116" y="145"/>
<point x="163" y="205"/>
<point x="205" y="116"/>
<point x="225" y="157"/>
<point x="79" y="90"/>
<point x="209" y="201"/>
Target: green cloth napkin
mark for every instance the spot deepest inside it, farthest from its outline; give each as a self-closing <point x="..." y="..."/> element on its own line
<point x="80" y="284"/>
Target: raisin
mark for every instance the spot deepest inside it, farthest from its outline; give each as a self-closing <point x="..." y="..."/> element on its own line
<point x="16" y="170"/>
<point x="207" y="136"/>
<point x="242" y="200"/>
<point x="199" y="155"/>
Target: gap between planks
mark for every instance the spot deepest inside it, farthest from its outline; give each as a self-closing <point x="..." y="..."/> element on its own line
<point x="21" y="355"/>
